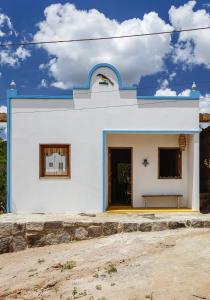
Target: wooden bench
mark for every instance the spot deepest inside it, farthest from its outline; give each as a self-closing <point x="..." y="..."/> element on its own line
<point x="177" y="196"/>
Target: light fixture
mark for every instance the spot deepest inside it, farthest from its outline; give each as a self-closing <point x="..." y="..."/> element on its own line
<point x="145" y="162"/>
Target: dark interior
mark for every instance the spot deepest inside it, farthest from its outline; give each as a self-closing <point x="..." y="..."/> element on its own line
<point x="120" y="176"/>
<point x="169" y="163"/>
<point x="205" y="170"/>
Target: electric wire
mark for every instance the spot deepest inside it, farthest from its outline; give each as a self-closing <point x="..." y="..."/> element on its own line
<point x="88" y="39"/>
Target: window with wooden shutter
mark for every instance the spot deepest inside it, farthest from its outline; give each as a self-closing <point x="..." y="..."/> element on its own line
<point x="54" y="160"/>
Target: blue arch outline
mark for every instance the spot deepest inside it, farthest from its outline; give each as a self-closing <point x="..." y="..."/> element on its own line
<point x="86" y="86"/>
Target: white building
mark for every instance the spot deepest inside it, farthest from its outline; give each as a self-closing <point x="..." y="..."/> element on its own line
<point x="103" y="147"/>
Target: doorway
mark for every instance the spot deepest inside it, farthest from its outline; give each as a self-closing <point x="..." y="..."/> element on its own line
<point x="120" y="176"/>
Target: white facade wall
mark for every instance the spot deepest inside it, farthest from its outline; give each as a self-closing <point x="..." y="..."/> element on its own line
<point x="81" y="122"/>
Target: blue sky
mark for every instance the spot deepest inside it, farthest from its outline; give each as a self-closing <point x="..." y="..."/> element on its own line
<point x="165" y="65"/>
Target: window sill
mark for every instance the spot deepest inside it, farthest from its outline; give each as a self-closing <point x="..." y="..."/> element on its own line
<point x="54" y="177"/>
<point x="170" y="178"/>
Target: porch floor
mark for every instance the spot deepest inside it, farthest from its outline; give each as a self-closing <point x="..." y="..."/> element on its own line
<point x="128" y="209"/>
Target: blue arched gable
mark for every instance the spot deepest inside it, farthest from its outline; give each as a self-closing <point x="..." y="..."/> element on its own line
<point x="104" y="65"/>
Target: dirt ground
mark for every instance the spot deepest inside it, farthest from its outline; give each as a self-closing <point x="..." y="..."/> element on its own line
<point x="172" y="265"/>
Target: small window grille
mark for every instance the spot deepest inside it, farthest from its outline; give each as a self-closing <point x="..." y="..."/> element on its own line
<point x="55" y="160"/>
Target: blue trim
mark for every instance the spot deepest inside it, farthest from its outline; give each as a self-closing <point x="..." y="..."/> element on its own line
<point x="40" y="97"/>
<point x="10" y="93"/>
<point x="87" y="86"/>
<point x="167" y="98"/>
<point x="152" y="131"/>
<point x="8" y="156"/>
<point x="104" y="156"/>
<point x="104" y="171"/>
<point x="195" y="94"/>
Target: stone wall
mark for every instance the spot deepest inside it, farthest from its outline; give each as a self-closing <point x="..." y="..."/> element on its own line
<point x="19" y="236"/>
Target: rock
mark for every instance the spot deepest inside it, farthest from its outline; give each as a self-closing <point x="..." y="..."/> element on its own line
<point x="34" y="226"/>
<point x="176" y="224"/>
<point x="5" y="244"/>
<point x="197" y="224"/>
<point x="110" y="228"/>
<point x="120" y="227"/>
<point x="5" y="229"/>
<point x="94" y="231"/>
<point x="81" y="234"/>
<point x="63" y="237"/>
<point x="130" y="227"/>
<point x="87" y="215"/>
<point x="50" y="284"/>
<point x="188" y="223"/>
<point x="18" y="228"/>
<point x="53" y="234"/>
<point x="53" y="226"/>
<point x="54" y="238"/>
<point x="206" y="224"/>
<point x="149" y="216"/>
<point x="67" y="225"/>
<point x="159" y="226"/>
<point x="70" y="229"/>
<point x="33" y="240"/>
<point x="18" y="243"/>
<point x="84" y="223"/>
<point x="145" y="227"/>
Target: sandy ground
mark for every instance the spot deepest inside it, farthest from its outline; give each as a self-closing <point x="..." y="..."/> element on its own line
<point x="157" y="265"/>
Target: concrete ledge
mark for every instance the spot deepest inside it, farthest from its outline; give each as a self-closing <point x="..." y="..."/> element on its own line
<point x="16" y="236"/>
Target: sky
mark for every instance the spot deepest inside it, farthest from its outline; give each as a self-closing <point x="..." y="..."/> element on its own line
<point x="158" y="65"/>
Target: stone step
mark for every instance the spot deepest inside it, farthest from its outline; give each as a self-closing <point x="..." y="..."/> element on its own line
<point x="19" y="236"/>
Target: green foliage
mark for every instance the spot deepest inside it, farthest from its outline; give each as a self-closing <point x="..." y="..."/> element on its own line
<point x="111" y="268"/>
<point x="68" y="265"/>
<point x="76" y="294"/>
<point x="3" y="168"/>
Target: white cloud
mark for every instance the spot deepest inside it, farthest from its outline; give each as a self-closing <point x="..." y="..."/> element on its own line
<point x="10" y="56"/>
<point x="165" y="90"/>
<point x="22" y="53"/>
<point x="185" y="93"/>
<point x="169" y="92"/>
<point x="192" y="47"/>
<point x="5" y="24"/>
<point x="3" y="109"/>
<point x="70" y="62"/>
<point x="43" y="83"/>
<point x="42" y="67"/>
<point x="172" y="75"/>
<point x="205" y="104"/>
